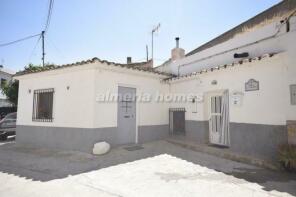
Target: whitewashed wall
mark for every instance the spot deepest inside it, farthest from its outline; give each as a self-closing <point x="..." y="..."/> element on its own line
<point x="269" y="105"/>
<point x="77" y="107"/>
<point x="148" y="113"/>
<point x="71" y="108"/>
<point x="290" y="70"/>
<point x="282" y="41"/>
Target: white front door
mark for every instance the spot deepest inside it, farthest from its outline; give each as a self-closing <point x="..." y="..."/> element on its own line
<point x="215" y="119"/>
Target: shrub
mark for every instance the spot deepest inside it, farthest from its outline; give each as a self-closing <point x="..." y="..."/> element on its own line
<point x="32" y="67"/>
<point x="287" y="157"/>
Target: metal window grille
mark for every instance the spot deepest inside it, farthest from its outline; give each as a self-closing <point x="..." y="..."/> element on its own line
<point x="43" y="105"/>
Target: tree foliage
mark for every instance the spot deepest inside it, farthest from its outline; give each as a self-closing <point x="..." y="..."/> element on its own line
<point x="10" y="90"/>
<point x="32" y="67"/>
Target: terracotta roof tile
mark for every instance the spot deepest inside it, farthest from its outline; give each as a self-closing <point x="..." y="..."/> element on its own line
<point x="133" y="66"/>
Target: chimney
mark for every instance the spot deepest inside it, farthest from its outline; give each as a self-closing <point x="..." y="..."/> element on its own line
<point x="177" y="53"/>
<point x="129" y="60"/>
<point x="177" y="42"/>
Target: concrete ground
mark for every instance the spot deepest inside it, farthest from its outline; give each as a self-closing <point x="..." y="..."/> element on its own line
<point x="159" y="169"/>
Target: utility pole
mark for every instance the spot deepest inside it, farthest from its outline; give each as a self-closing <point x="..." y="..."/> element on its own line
<point x="43" y="53"/>
<point x="155" y="29"/>
<point x="147" y="53"/>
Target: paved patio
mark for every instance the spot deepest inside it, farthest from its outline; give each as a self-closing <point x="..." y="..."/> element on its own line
<point x="160" y="169"/>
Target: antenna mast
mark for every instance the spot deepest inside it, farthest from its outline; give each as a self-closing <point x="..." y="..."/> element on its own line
<point x="155" y="29"/>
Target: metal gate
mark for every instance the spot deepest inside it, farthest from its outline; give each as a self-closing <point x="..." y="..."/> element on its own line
<point x="177" y="121"/>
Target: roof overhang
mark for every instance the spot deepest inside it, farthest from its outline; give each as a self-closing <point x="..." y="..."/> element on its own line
<point x="220" y="67"/>
<point x="92" y="63"/>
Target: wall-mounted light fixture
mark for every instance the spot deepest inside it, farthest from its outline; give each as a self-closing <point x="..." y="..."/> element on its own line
<point x="193" y="100"/>
<point x="214" y="82"/>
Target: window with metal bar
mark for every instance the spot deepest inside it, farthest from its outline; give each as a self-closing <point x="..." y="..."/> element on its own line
<point x="43" y="105"/>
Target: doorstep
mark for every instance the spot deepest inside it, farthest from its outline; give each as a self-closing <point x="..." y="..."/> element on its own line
<point x="223" y="153"/>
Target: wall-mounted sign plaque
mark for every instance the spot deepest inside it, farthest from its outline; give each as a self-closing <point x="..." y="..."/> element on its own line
<point x="252" y="85"/>
<point x="237" y="98"/>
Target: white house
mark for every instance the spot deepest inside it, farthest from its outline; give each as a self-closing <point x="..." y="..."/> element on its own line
<point x="238" y="91"/>
<point x="76" y="116"/>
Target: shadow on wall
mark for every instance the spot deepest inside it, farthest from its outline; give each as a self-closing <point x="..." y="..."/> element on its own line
<point x="46" y="165"/>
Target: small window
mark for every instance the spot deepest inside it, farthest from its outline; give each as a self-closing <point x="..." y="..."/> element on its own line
<point x="42" y="105"/>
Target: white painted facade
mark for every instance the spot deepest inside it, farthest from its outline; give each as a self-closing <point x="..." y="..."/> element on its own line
<point x="71" y="108"/>
<point x="262" y="39"/>
<point x="148" y="113"/>
<point x="78" y="107"/>
<point x="269" y="105"/>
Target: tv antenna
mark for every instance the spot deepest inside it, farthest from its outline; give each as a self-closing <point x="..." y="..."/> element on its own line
<point x="155" y="29"/>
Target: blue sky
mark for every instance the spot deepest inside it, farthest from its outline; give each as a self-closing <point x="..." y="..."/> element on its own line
<point x="115" y="29"/>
